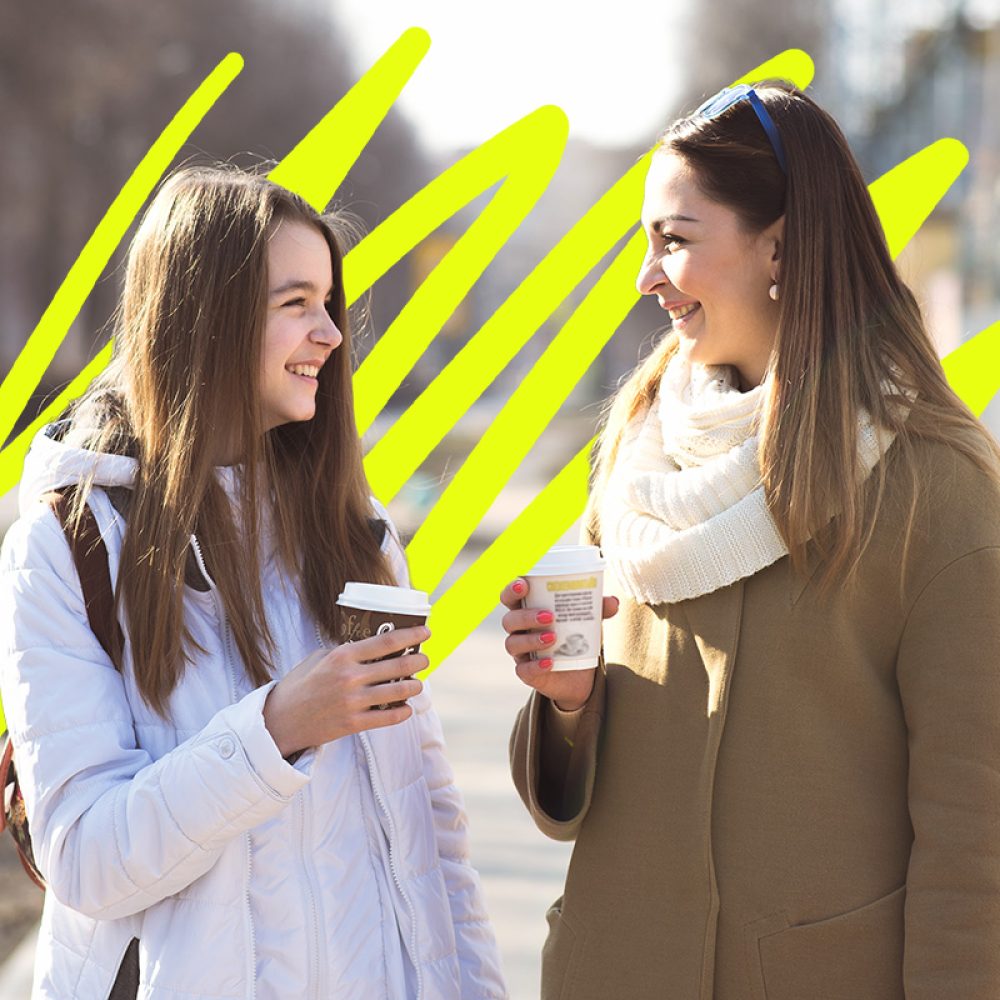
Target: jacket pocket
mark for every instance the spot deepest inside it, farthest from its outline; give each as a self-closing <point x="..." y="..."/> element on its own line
<point x="558" y="952"/>
<point x="857" y="955"/>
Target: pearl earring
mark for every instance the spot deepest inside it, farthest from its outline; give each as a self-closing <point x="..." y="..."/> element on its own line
<point x="773" y="292"/>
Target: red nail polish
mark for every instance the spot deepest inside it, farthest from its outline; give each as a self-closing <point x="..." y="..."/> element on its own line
<point x="518" y="587"/>
<point x="545" y="664"/>
<point x="545" y="617"/>
<point x="548" y="637"/>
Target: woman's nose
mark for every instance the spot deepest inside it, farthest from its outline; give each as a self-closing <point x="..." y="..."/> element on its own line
<point x="326" y="332"/>
<point x="650" y="276"/>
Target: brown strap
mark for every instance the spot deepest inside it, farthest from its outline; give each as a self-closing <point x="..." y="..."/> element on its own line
<point x="7" y="777"/>
<point x="91" y="558"/>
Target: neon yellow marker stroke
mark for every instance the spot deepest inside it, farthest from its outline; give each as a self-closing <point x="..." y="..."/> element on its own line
<point x="317" y="166"/>
<point x="26" y="372"/>
<point x="525" y="416"/>
<point x="973" y="369"/>
<point x="418" y="431"/>
<point x="525" y="156"/>
<point x="460" y="383"/>
<point x="474" y="595"/>
<point x="906" y="195"/>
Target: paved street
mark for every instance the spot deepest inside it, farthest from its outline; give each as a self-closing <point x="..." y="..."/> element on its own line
<point x="477" y="696"/>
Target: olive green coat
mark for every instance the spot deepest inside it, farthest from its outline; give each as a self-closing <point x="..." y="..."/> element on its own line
<point x="780" y="796"/>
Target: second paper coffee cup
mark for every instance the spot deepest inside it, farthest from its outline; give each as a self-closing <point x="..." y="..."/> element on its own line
<point x="372" y="609"/>
<point x="569" y="582"/>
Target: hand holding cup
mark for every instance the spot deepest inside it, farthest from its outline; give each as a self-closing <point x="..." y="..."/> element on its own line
<point x="368" y="609"/>
<point x="331" y="693"/>
<point x="364" y="682"/>
<point x="530" y="639"/>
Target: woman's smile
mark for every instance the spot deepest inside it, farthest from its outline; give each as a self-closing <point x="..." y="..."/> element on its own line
<point x="309" y="372"/>
<point x="682" y="315"/>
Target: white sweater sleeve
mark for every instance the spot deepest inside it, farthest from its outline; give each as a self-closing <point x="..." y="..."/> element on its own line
<point x="112" y="830"/>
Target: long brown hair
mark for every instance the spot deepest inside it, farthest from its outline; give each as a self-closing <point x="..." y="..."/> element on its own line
<point x="848" y="326"/>
<point x="187" y="366"/>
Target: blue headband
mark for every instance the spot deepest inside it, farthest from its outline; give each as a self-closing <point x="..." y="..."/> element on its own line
<point x="729" y="96"/>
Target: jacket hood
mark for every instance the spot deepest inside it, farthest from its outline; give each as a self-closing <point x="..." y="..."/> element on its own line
<point x="52" y="464"/>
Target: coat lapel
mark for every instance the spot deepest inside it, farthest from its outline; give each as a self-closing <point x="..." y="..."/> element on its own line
<point x="715" y="624"/>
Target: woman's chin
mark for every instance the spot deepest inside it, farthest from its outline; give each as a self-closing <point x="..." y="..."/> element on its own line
<point x="691" y="348"/>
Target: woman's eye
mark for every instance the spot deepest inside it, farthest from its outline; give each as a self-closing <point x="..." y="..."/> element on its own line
<point x="295" y="302"/>
<point x="672" y="243"/>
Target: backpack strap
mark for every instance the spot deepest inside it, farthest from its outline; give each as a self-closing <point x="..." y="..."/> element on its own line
<point x="90" y="556"/>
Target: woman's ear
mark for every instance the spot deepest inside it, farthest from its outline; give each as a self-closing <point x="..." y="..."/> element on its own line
<point x="772" y="244"/>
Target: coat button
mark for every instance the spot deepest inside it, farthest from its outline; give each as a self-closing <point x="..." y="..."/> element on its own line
<point x="227" y="748"/>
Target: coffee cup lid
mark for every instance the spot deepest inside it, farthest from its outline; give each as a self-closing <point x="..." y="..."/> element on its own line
<point x="375" y="597"/>
<point x="565" y="559"/>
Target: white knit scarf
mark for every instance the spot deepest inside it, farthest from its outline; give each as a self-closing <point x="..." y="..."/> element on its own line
<point x="684" y="511"/>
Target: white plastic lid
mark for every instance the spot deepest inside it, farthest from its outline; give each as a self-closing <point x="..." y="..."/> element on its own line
<point x="564" y="560"/>
<point x="376" y="597"/>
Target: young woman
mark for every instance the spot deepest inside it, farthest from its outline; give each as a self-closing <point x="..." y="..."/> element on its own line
<point x="784" y="781"/>
<point x="233" y="798"/>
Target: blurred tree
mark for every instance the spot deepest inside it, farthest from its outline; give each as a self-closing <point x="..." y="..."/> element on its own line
<point x="86" y="87"/>
<point x="725" y="38"/>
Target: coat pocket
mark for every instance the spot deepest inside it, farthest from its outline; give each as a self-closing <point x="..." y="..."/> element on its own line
<point x="558" y="952"/>
<point x="857" y="955"/>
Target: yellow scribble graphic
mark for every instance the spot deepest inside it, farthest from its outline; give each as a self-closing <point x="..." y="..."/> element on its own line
<point x="317" y="166"/>
<point x="974" y="369"/>
<point x="520" y="161"/>
<point x="525" y="156"/>
<point x="27" y="371"/>
<point x="907" y="194"/>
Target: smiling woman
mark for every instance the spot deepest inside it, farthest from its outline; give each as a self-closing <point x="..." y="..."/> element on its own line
<point x="782" y="779"/>
<point x="237" y="805"/>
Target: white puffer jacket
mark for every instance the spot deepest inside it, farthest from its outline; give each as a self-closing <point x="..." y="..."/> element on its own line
<point x="346" y="875"/>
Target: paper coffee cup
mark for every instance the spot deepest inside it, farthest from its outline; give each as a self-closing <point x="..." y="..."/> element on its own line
<point x="372" y="609"/>
<point x="569" y="582"/>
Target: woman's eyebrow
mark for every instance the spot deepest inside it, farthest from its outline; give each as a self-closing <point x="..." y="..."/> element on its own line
<point x="295" y="285"/>
<point x="658" y="224"/>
